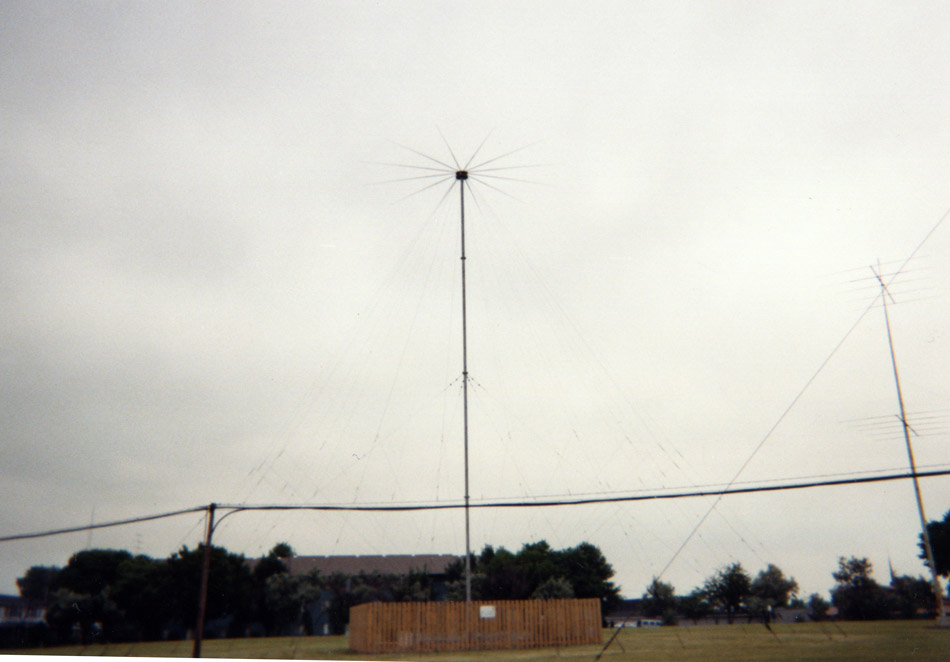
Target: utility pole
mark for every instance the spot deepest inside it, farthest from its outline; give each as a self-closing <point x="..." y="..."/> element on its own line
<point x="203" y="591"/>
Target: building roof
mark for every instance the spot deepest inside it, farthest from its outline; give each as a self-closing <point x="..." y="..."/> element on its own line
<point x="392" y="564"/>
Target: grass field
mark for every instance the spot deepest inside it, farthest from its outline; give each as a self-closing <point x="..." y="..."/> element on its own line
<point x="886" y="640"/>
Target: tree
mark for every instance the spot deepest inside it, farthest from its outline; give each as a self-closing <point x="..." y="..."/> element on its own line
<point x="771" y="589"/>
<point x="273" y="563"/>
<point x="857" y="595"/>
<point x="505" y="577"/>
<point x="141" y="593"/>
<point x="553" y="588"/>
<point x="589" y="573"/>
<point x="537" y="563"/>
<point x="939" y="533"/>
<point x="283" y="550"/>
<point x="91" y="571"/>
<point x="230" y="586"/>
<point x="289" y="596"/>
<point x="455" y="590"/>
<point x="455" y="571"/>
<point x="696" y="605"/>
<point x="282" y="602"/>
<point x="817" y="607"/>
<point x="114" y="596"/>
<point x="269" y="566"/>
<point x="71" y="609"/>
<point x="37" y="584"/>
<point x="728" y="589"/>
<point x="660" y="601"/>
<point x="84" y="593"/>
<point x="912" y="596"/>
<point x="341" y="588"/>
<point x="417" y="586"/>
<point x="61" y="615"/>
<point x="108" y="593"/>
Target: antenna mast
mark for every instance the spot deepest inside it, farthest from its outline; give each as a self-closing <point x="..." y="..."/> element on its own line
<point x="462" y="177"/>
<point x="928" y="549"/>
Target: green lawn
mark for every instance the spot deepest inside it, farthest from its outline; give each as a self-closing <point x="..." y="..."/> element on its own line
<point x="885" y="640"/>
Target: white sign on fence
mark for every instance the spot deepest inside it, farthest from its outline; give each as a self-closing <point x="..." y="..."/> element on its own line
<point x="486" y="611"/>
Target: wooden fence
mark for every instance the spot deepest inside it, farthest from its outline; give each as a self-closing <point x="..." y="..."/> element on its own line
<point x="381" y="627"/>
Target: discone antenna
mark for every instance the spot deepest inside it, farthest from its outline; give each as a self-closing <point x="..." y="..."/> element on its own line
<point x="442" y="175"/>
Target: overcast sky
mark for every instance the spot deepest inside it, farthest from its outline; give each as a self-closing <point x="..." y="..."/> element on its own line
<point x="220" y="280"/>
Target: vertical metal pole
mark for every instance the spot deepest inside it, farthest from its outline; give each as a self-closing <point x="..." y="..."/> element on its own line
<point x="203" y="592"/>
<point x="462" y="176"/>
<point x="928" y="550"/>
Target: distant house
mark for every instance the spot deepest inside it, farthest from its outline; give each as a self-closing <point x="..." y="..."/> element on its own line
<point x="433" y="565"/>
<point x="626" y="613"/>
<point x="22" y="622"/>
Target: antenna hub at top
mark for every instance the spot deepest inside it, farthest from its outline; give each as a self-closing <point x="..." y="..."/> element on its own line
<point x="461" y="174"/>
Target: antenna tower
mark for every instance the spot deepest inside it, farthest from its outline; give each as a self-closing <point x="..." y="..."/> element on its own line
<point x="462" y="177"/>
<point x="928" y="549"/>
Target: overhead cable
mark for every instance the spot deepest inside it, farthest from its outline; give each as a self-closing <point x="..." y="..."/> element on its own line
<point x="453" y="505"/>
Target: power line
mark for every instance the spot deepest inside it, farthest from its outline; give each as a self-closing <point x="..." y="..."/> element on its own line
<point x="543" y="503"/>
<point x="102" y="525"/>
<point x="547" y="503"/>
<point x="726" y="486"/>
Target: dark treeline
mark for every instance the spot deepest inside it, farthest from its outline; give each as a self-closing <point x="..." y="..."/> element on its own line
<point x="537" y="571"/>
<point x="856" y="595"/>
<point x="111" y="595"/>
<point x="732" y="593"/>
